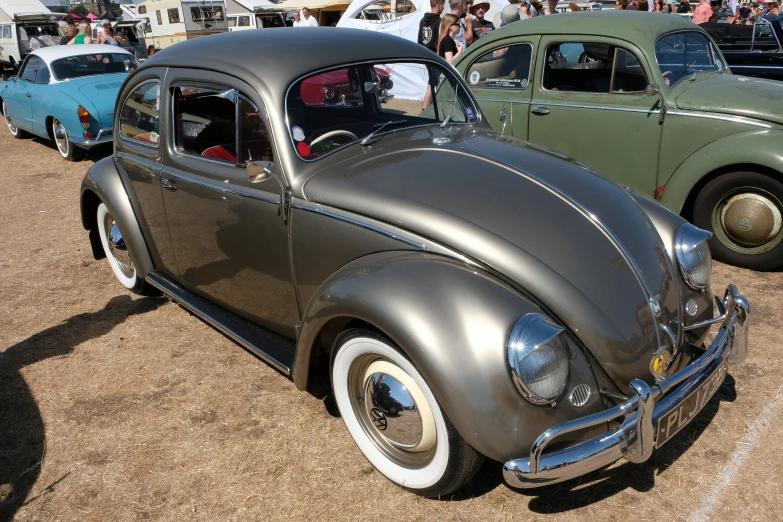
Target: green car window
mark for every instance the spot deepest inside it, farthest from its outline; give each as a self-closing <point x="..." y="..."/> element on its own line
<point x="503" y="68"/>
<point x="685" y="54"/>
<point x="592" y="67"/>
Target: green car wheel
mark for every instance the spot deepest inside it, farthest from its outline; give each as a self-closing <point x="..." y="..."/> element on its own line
<point x="744" y="211"/>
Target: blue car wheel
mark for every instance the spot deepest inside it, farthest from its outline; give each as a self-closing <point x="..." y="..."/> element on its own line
<point x="67" y="149"/>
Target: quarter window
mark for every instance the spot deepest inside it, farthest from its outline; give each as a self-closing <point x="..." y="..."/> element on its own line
<point x="158" y="16"/>
<point x="206" y="125"/>
<point x="504" y="68"/>
<point x="7" y="32"/>
<point x="139" y="118"/>
<point x="173" y="16"/>
<point x="592" y="67"/>
<point x="142" y="9"/>
<point x="30" y="69"/>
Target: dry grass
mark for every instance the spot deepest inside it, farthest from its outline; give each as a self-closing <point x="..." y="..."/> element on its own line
<point x="118" y="408"/>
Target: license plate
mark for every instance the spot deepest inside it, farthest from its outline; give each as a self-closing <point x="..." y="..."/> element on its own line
<point x="675" y="420"/>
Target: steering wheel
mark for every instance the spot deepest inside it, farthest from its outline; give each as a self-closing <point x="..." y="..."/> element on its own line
<point x="667" y="72"/>
<point x="333" y="133"/>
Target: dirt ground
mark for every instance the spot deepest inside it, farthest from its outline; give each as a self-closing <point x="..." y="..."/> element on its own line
<point x="115" y="407"/>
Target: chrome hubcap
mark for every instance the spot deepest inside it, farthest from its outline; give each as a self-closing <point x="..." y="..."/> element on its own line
<point x="749" y="222"/>
<point x="11" y="126"/>
<point x="60" y="138"/>
<point x="392" y="410"/>
<point x="117" y="248"/>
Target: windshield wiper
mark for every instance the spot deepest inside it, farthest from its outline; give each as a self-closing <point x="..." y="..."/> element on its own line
<point x="379" y="129"/>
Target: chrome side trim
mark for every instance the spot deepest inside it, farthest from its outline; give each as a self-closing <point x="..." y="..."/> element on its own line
<point x="341" y="215"/>
<point x="734" y="119"/>
<point x="499" y="100"/>
<point x="597" y="107"/>
<point x="223" y="187"/>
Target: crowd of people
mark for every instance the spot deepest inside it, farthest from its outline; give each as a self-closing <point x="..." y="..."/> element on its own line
<point x="466" y="21"/>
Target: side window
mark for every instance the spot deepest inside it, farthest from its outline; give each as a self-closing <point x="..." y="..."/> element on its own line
<point x="173" y="16"/>
<point x="139" y="118"/>
<point x="232" y="21"/>
<point x="244" y="21"/>
<point x="588" y="67"/>
<point x="159" y="17"/>
<point x="142" y="9"/>
<point x="7" y="32"/>
<point x="30" y="69"/>
<point x="205" y="122"/>
<point x="42" y="76"/>
<point x="254" y="142"/>
<point x="504" y="68"/>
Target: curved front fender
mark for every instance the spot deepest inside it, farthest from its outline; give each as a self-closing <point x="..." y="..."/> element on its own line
<point x="453" y="322"/>
<point x="760" y="147"/>
<point x="103" y="181"/>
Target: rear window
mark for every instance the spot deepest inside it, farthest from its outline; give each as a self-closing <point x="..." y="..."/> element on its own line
<point x="93" y="64"/>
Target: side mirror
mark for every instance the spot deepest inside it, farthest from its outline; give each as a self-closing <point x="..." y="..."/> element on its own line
<point x="652" y="90"/>
<point x="258" y="171"/>
<point x="372" y="87"/>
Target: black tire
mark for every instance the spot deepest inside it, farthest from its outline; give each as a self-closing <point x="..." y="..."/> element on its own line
<point x="710" y="205"/>
<point x="451" y="465"/>
<point x="15" y="131"/>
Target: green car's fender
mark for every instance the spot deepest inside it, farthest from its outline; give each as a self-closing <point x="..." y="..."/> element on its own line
<point x="754" y="150"/>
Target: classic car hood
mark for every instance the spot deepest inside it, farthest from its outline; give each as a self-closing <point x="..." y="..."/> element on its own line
<point x="736" y="95"/>
<point x="98" y="94"/>
<point x="550" y="225"/>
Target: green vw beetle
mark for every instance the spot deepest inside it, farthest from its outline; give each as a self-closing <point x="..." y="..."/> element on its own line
<point x="649" y="101"/>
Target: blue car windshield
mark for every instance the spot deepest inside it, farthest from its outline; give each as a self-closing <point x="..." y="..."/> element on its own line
<point x="93" y="64"/>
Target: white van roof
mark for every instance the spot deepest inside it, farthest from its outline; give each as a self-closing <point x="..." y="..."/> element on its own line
<point x="16" y="7"/>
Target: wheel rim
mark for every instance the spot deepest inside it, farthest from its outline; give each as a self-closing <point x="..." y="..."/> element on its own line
<point x="11" y="127"/>
<point x="117" y="248"/>
<point x="748" y="220"/>
<point x="392" y="411"/>
<point x="60" y="138"/>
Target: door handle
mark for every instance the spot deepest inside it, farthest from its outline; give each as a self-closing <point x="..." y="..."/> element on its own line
<point x="28" y="94"/>
<point x="168" y="184"/>
<point x="543" y="111"/>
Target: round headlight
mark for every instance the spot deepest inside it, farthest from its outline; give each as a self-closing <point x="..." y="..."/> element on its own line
<point x="538" y="357"/>
<point x="693" y="255"/>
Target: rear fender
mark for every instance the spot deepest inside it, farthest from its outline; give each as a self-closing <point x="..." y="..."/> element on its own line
<point x="453" y="321"/>
<point x="102" y="184"/>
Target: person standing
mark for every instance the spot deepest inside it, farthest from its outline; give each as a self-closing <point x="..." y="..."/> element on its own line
<point x="459" y="8"/>
<point x="509" y="15"/>
<point x="702" y="13"/>
<point x="307" y="20"/>
<point x="297" y="19"/>
<point x="448" y="48"/>
<point x="481" y="25"/>
<point x="429" y="26"/>
<point x="83" y="37"/>
<point x="70" y="33"/>
<point x="685" y="7"/>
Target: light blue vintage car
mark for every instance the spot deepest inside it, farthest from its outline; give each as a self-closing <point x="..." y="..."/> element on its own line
<point x="67" y="93"/>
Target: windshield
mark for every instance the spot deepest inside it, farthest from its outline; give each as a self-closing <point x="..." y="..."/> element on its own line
<point x="681" y="55"/>
<point x="329" y="110"/>
<point x="93" y="64"/>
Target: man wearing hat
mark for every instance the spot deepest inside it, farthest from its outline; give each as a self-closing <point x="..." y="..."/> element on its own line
<point x="481" y="25"/>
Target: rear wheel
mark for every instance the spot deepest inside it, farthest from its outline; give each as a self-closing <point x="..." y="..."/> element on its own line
<point x="67" y="149"/>
<point x="744" y="211"/>
<point x="395" y="419"/>
<point x="118" y="254"/>
<point x="15" y="131"/>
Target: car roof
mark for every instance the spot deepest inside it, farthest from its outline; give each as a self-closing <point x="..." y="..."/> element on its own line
<point x="55" y="52"/>
<point x="633" y="26"/>
<point x="275" y="58"/>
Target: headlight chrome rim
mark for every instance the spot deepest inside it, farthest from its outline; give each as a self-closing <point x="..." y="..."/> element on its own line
<point x="536" y="335"/>
<point x="689" y="244"/>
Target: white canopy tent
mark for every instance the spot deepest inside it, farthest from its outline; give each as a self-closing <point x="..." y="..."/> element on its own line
<point x="410" y="81"/>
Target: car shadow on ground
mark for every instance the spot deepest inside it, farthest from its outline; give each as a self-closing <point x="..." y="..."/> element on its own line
<point x="602" y="484"/>
<point x="96" y="153"/>
<point x="22" y="435"/>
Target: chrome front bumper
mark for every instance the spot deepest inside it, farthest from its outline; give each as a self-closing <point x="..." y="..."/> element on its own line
<point x="641" y="415"/>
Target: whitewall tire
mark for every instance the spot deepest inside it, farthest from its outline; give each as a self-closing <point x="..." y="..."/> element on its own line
<point x="395" y="419"/>
<point x="15" y="131"/>
<point x="65" y="146"/>
<point x="117" y="252"/>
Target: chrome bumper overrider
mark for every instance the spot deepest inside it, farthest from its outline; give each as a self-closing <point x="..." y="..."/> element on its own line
<point x="103" y="136"/>
<point x="636" y="437"/>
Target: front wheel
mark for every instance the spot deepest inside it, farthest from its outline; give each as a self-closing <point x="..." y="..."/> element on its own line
<point x="117" y="253"/>
<point x="395" y="419"/>
<point x="65" y="146"/>
<point x="744" y="211"/>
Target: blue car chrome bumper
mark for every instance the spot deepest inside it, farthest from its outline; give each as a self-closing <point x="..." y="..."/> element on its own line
<point x="647" y="424"/>
<point x="103" y="136"/>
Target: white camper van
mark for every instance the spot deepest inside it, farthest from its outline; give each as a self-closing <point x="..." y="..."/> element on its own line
<point x="25" y="25"/>
<point x="171" y="21"/>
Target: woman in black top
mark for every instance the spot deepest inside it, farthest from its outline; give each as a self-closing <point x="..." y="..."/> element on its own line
<point x="447" y="47"/>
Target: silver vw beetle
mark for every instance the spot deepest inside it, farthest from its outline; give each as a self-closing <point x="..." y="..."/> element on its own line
<point x="476" y="295"/>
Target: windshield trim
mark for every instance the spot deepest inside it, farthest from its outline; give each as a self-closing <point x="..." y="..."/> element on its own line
<point x="314" y="72"/>
<point x="53" y="75"/>
<point x="715" y="54"/>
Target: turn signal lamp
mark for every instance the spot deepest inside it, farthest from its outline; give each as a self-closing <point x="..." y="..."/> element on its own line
<point x="84" y="117"/>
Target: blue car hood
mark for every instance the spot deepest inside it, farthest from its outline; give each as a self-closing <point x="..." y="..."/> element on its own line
<point x="97" y="94"/>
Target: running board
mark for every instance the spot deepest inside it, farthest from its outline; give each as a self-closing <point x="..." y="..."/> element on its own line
<point x="273" y="348"/>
